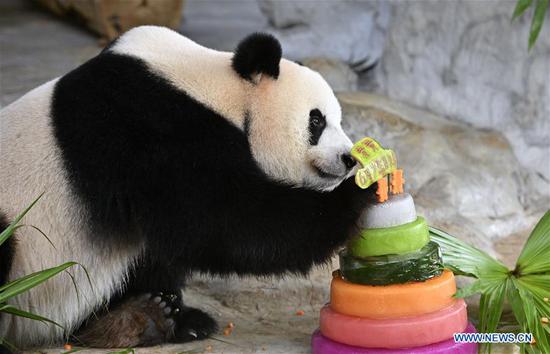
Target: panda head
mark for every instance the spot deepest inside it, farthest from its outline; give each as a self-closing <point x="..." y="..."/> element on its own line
<point x="292" y="117"/>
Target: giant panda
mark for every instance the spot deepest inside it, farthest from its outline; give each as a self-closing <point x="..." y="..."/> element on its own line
<point x="159" y="158"/>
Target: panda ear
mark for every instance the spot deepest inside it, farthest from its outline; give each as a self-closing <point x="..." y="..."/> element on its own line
<point x="257" y="54"/>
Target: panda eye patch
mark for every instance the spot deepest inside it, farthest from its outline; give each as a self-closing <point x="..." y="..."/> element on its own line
<point x="317" y="123"/>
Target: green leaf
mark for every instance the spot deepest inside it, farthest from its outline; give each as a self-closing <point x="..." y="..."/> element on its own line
<point x="538" y="19"/>
<point x="9" y="345"/>
<point x="464" y="259"/>
<point x="533" y="318"/>
<point x="32" y="281"/>
<point x="512" y="294"/>
<point x="535" y="256"/>
<point x="490" y="310"/>
<point x="12" y="283"/>
<point x="124" y="351"/>
<point x="17" y="312"/>
<point x="521" y="6"/>
<point x="4" y="235"/>
<point x="478" y="287"/>
<point x="41" y="232"/>
<point x="531" y="290"/>
<point x="3" y="306"/>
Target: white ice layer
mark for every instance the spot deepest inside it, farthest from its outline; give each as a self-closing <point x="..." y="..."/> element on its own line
<point x="397" y="210"/>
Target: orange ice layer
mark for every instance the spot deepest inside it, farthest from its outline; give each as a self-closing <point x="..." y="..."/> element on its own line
<point x="392" y="301"/>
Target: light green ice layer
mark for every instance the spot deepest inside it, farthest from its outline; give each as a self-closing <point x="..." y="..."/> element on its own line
<point x="392" y="240"/>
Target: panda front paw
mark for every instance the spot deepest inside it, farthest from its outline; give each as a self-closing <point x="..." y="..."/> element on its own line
<point x="169" y="305"/>
<point x="192" y="324"/>
<point x="184" y="323"/>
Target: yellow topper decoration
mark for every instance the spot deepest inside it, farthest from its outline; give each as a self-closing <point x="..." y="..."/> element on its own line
<point x="376" y="162"/>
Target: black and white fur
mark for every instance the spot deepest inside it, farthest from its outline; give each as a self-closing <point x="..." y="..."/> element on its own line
<point x="159" y="158"/>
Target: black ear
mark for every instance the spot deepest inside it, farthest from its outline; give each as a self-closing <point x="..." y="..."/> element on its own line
<point x="259" y="53"/>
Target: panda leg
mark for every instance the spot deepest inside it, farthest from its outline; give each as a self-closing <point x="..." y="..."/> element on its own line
<point x="146" y="320"/>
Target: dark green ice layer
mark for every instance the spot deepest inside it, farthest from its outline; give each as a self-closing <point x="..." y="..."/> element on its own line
<point x="418" y="265"/>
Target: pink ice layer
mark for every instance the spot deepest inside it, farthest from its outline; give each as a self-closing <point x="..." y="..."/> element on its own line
<point x="406" y="332"/>
<point x="323" y="345"/>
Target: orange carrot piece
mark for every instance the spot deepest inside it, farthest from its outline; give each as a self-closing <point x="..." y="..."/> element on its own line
<point x="382" y="191"/>
<point x="397" y="181"/>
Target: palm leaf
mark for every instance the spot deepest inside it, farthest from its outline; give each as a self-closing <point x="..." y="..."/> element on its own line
<point x="535" y="256"/>
<point x="533" y="319"/>
<point x="464" y="259"/>
<point x="490" y="310"/>
<point x="525" y="288"/>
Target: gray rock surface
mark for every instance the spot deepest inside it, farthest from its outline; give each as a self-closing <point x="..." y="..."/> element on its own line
<point x="466" y="60"/>
<point x="337" y="73"/>
<point x="221" y="25"/>
<point x="350" y="31"/>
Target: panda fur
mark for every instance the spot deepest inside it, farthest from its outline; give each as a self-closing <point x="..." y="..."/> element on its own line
<point x="159" y="158"/>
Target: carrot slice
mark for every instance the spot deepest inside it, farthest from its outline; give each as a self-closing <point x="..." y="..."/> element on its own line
<point x="382" y="191"/>
<point x="397" y="181"/>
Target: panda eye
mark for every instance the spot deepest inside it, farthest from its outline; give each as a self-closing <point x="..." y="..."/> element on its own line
<point x="317" y="123"/>
<point x="316" y="119"/>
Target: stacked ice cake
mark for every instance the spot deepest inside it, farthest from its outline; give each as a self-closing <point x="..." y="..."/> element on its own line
<point x="392" y="293"/>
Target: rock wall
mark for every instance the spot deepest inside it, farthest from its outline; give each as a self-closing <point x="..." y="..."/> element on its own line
<point x="346" y="30"/>
<point x="464" y="180"/>
<point x="468" y="61"/>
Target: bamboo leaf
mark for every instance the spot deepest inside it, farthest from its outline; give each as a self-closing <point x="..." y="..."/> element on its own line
<point x="32" y="281"/>
<point x="8" y="345"/>
<point x="41" y="232"/>
<point x="521" y="6"/>
<point x="4" y="235"/>
<point x="124" y="351"/>
<point x="538" y="19"/>
<point x="17" y="312"/>
<point x="3" y="306"/>
<point x="12" y="283"/>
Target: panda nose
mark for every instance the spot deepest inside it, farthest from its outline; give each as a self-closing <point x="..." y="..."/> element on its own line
<point x="348" y="161"/>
